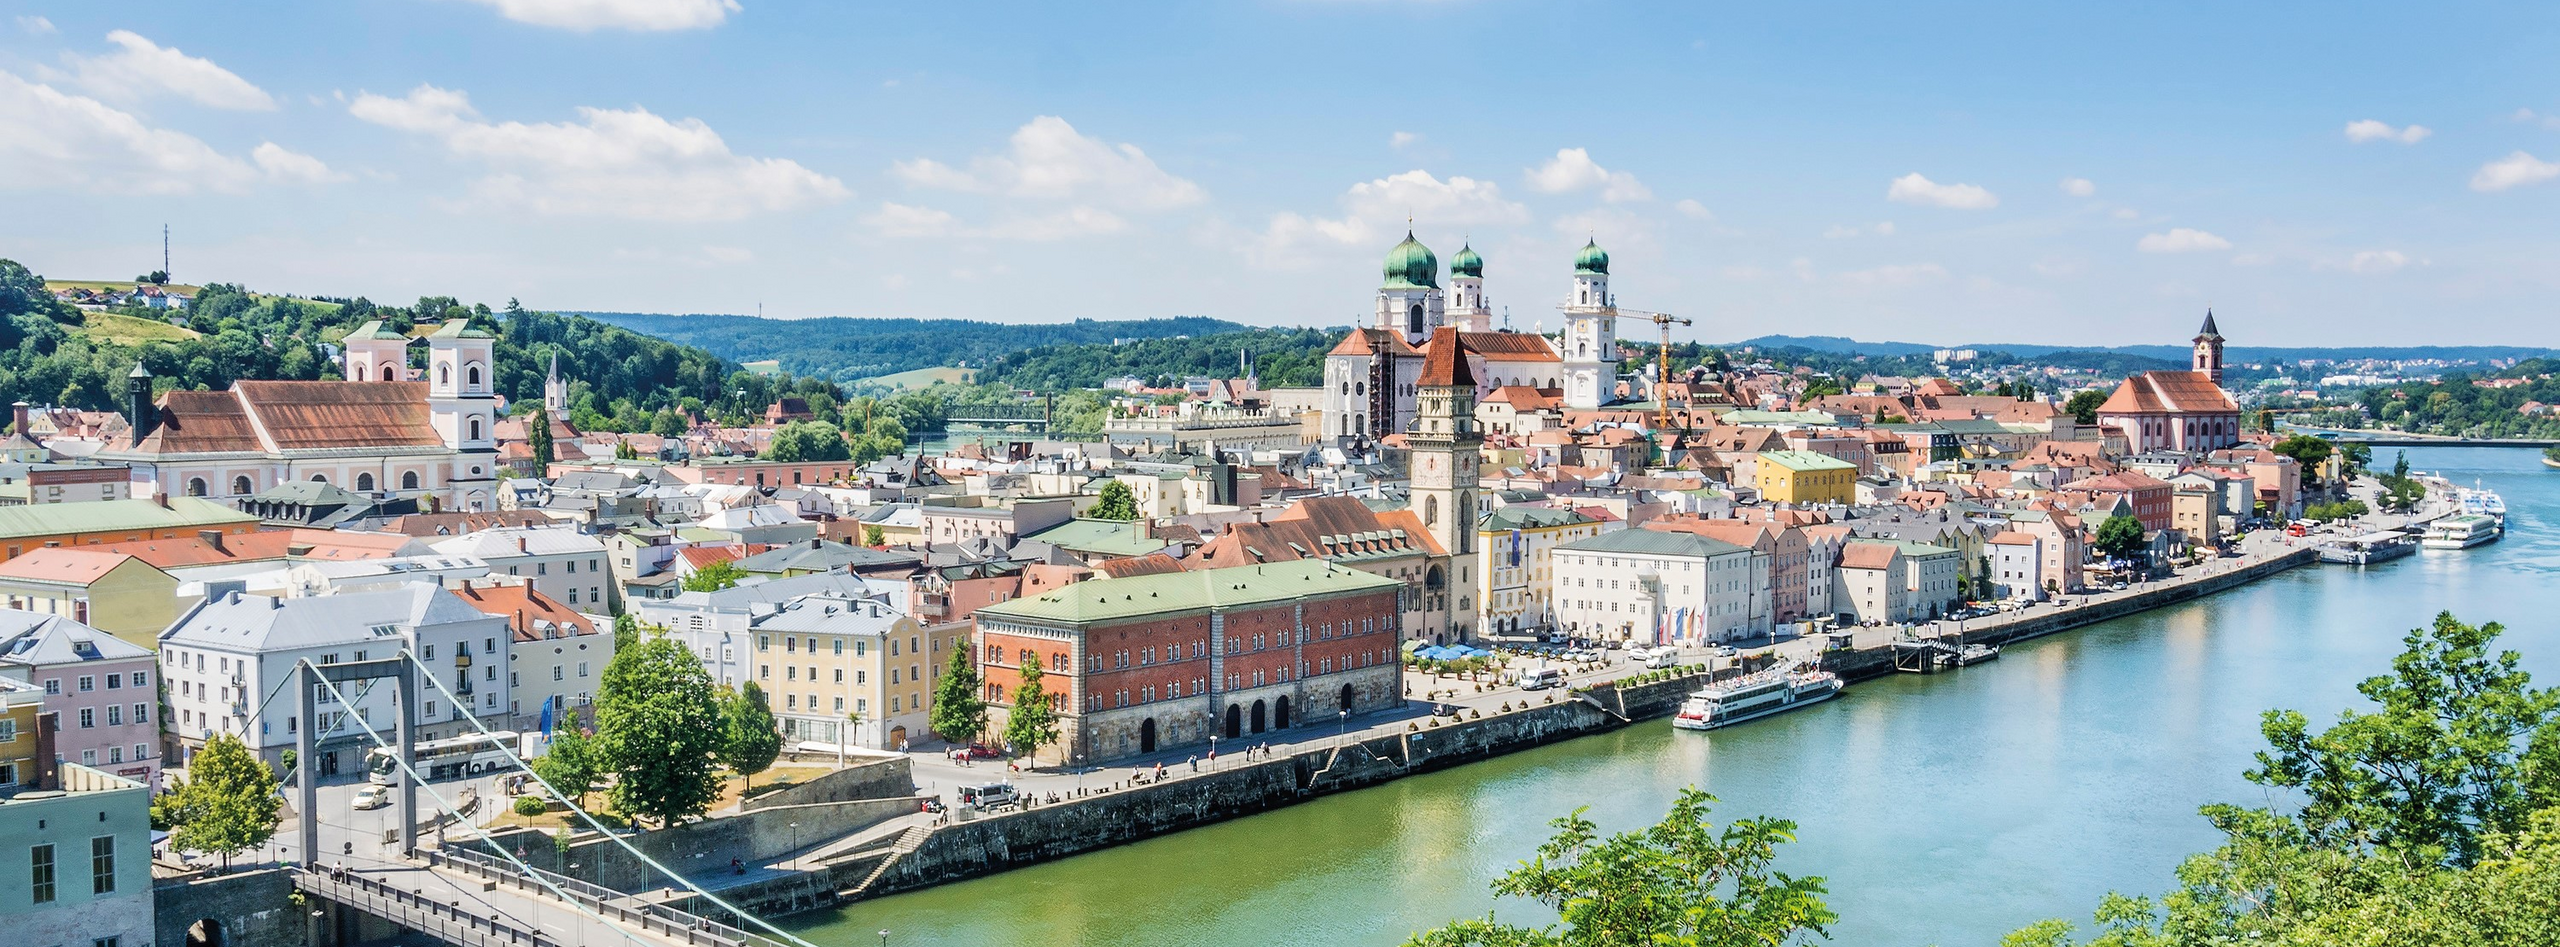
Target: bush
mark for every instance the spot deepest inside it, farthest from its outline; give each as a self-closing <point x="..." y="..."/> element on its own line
<point x="530" y="806"/>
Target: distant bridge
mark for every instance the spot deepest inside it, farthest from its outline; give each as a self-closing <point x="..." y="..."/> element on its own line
<point x="2402" y="440"/>
<point x="1034" y="416"/>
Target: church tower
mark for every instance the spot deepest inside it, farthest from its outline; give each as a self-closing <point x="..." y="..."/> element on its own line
<point x="1446" y="445"/>
<point x="1467" y="308"/>
<point x="462" y="404"/>
<point x="2208" y="357"/>
<point x="555" y="391"/>
<point x="1590" y="345"/>
<point x="375" y="353"/>
<point x="1409" y="301"/>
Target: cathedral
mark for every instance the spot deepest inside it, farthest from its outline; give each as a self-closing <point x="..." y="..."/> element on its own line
<point x="1373" y="379"/>
<point x="2188" y="412"/>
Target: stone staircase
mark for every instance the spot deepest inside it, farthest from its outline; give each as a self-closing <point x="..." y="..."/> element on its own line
<point x="907" y="843"/>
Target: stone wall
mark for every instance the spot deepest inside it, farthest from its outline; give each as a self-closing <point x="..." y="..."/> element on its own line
<point x="252" y="906"/>
<point x="864" y="777"/>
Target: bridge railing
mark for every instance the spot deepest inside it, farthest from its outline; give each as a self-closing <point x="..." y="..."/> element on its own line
<point x="417" y="912"/>
<point x="678" y="926"/>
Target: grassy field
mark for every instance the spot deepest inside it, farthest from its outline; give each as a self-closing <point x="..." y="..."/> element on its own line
<point x="923" y="378"/>
<point x="120" y="329"/>
<point x="770" y="366"/>
<point x="121" y="286"/>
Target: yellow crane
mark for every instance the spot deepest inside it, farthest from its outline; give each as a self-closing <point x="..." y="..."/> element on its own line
<point x="1661" y="361"/>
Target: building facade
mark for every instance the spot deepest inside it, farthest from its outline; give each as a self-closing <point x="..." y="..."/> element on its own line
<point x="100" y="688"/>
<point x="1658" y="587"/>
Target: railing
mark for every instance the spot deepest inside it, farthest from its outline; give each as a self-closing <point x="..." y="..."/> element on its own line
<point x="676" y="926"/>
<point x="415" y="911"/>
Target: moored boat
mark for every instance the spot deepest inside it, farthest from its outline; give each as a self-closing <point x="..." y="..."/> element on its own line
<point x="1754" y="696"/>
<point x="2462" y="532"/>
<point x="2368" y="548"/>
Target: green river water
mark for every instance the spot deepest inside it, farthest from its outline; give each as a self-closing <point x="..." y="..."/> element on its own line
<point x="1944" y="809"/>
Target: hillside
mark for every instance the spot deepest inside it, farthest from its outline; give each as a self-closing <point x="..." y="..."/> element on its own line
<point x="1837" y="345"/>
<point x="847" y="349"/>
<point x="1281" y="357"/>
<point x="51" y="353"/>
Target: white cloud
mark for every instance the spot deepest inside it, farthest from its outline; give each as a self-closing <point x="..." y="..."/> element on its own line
<point x="2079" y="187"/>
<point x="2528" y="116"/>
<point x="1400" y="139"/>
<point x="1694" y="210"/>
<point x="36" y="25"/>
<point x="1050" y="160"/>
<point x="2377" y="261"/>
<point x="2127" y="213"/>
<point x="2181" y="240"/>
<point x="1846" y="231"/>
<point x="902" y="220"/>
<point x="622" y="163"/>
<point x="1915" y="189"/>
<point x="1374" y="210"/>
<point x="2253" y="259"/>
<point x="2512" y="171"/>
<point x="640" y="15"/>
<point x="50" y="138"/>
<point x="283" y="164"/>
<point x="728" y="254"/>
<point x="2364" y="130"/>
<point x="1900" y="274"/>
<point x="1071" y="222"/>
<point x="141" y="69"/>
<point x="1573" y="170"/>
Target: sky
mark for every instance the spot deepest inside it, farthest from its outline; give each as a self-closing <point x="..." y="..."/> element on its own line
<point x="2335" y="173"/>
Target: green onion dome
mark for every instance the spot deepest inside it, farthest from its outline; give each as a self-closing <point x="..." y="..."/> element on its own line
<point x="1410" y="265"/>
<point x="1466" y="263"/>
<point x="1592" y="259"/>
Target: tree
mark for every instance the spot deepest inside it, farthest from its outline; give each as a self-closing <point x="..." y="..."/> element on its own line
<point x="537" y="439"/>
<point x="959" y="713"/>
<point x="658" y="729"/>
<point x="1656" y="887"/>
<point x="626" y="631"/>
<point x="2308" y="451"/>
<point x="719" y="574"/>
<point x="570" y="765"/>
<point x="227" y="804"/>
<point x="1033" y="721"/>
<point x="2120" y="537"/>
<point x="807" y="441"/>
<point x="2267" y="420"/>
<point x="1115" y="502"/>
<point x="2083" y="406"/>
<point x="750" y="739"/>
<point x="874" y="536"/>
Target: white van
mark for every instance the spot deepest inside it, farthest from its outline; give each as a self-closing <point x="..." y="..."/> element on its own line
<point x="990" y="797"/>
<point x="1541" y="680"/>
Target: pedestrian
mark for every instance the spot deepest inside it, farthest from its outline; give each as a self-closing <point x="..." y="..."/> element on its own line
<point x="1159" y="770"/>
<point x="1195" y="762"/>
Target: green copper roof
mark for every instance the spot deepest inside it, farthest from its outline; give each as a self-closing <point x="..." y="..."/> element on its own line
<point x="1410" y="265"/>
<point x="1466" y="263"/>
<point x="1592" y="259"/>
<point x="1099" y="600"/>
<point x="108" y="516"/>
<point x="458" y="329"/>
<point x="1108" y="537"/>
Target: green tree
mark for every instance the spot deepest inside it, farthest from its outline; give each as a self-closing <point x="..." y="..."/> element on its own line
<point x="537" y="439"/>
<point x="2308" y="451"/>
<point x="719" y="574"/>
<point x="626" y="632"/>
<point x="959" y="713"/>
<point x="874" y="536"/>
<point x="1680" y="882"/>
<point x="1115" y="502"/>
<point x="658" y="729"/>
<point x="2083" y="406"/>
<point x="571" y="764"/>
<point x="2267" y="420"/>
<point x="807" y="441"/>
<point x="750" y="739"/>
<point x="2120" y="537"/>
<point x="227" y="804"/>
<point x="1033" y="721"/>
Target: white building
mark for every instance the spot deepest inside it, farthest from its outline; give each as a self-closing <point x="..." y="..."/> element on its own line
<point x="713" y="625"/>
<point x="1650" y="586"/>
<point x="228" y="664"/>
<point x="2017" y="566"/>
<point x="559" y="560"/>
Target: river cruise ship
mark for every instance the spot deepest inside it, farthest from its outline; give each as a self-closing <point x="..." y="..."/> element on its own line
<point x="1754" y="696"/>
<point x="2462" y="532"/>
<point x="2368" y="548"/>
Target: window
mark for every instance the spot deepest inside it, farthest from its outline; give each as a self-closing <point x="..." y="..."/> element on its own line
<point x="89" y="683"/>
<point x="102" y="864"/>
<point x="88" y="717"/>
<point x="40" y="874"/>
<point x="582" y="669"/>
<point x="364" y="482"/>
<point x="142" y="713"/>
<point x="558" y="672"/>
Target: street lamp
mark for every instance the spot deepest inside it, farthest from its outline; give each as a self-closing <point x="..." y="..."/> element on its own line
<point x="1213" y="752"/>
<point x="884" y="937"/>
<point x="1343" y="734"/>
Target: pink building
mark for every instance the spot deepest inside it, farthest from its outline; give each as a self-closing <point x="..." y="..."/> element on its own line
<point x="100" y="687"/>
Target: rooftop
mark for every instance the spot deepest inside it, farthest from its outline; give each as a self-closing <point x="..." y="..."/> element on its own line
<point x="1097" y="600"/>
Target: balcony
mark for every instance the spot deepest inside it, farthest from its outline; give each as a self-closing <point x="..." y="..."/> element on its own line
<point x="462" y="659"/>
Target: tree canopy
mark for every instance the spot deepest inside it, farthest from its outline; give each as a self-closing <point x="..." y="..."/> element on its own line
<point x="2120" y="537"/>
<point x="226" y="805"/>
<point x="2083" y="406"/>
<point x="659" y="728"/>
<point x="749" y="740"/>
<point x="959" y="713"/>
<point x="571" y="764"/>
<point x="807" y="441"/>
<point x="1032" y="722"/>
<point x="714" y="576"/>
<point x="1115" y="502"/>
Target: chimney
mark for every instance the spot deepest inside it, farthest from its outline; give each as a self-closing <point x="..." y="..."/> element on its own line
<point x="211" y="537"/>
<point x="520" y="544"/>
<point x="18" y="417"/>
<point x="137" y="393"/>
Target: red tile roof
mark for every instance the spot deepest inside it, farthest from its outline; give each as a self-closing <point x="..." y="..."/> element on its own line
<point x="2169" y="393"/>
<point x="523" y="606"/>
<point x="1444" y="364"/>
<point x="1508" y="346"/>
<point x="63" y="564"/>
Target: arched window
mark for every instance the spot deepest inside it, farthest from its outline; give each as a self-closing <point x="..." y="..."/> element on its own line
<point x="319" y="478"/>
<point x="444" y="374"/>
<point x="471" y="377"/>
<point x="239" y="486"/>
<point x="409" y="480"/>
<point x="195" y="486"/>
<point x="1360" y="389"/>
<point x="1413" y="320"/>
<point x="364" y="482"/>
<point x="1430" y="511"/>
<point x="359" y="371"/>
<point x="390" y="372"/>
<point x="475" y="429"/>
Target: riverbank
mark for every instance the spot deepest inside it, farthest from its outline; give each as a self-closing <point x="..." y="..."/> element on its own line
<point x="898" y="858"/>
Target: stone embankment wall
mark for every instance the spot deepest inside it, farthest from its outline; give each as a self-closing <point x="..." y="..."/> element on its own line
<point x="874" y="777"/>
<point x="1012" y="840"/>
<point x="253" y="907"/>
<point x="701" y="850"/>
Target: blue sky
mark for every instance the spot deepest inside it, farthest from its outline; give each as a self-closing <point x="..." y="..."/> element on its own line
<point x="2030" y="172"/>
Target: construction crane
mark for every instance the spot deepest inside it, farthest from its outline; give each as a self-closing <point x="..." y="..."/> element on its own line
<point x="1661" y="360"/>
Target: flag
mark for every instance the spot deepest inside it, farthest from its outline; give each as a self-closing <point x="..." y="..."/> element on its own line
<point x="546" y="718"/>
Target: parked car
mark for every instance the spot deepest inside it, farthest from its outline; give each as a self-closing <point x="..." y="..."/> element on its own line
<point x="372" y="797"/>
<point x="1722" y="651"/>
<point x="989" y="796"/>
<point x="1541" y="680"/>
<point x="975" y="751"/>
<point x="1444" y="710"/>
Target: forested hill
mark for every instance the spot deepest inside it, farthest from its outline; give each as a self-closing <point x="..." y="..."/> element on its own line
<point x="51" y="353"/>
<point x="1281" y="357"/>
<point x="847" y="349"/>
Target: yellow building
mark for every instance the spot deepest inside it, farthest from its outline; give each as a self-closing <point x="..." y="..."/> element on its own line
<point x="20" y="705"/>
<point x="1512" y="549"/>
<point x="1796" y="476"/>
<point x="110" y="591"/>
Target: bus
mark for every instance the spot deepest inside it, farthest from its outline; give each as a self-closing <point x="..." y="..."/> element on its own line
<point x="467" y="755"/>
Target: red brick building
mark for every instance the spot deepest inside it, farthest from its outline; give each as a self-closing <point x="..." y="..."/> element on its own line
<point x="1146" y="663"/>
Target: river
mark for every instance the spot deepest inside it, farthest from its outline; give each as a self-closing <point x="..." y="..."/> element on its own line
<point x="1947" y="809"/>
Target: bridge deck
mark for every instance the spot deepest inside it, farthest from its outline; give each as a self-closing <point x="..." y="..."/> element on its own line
<point x="465" y="904"/>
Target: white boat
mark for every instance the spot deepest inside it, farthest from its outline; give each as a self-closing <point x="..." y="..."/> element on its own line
<point x="2368" y="548"/>
<point x="2481" y="501"/>
<point x="1754" y="696"/>
<point x="2462" y="532"/>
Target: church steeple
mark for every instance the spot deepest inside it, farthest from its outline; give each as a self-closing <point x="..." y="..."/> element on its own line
<point x="555" y="392"/>
<point x="1446" y="445"/>
<point x="2208" y="349"/>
